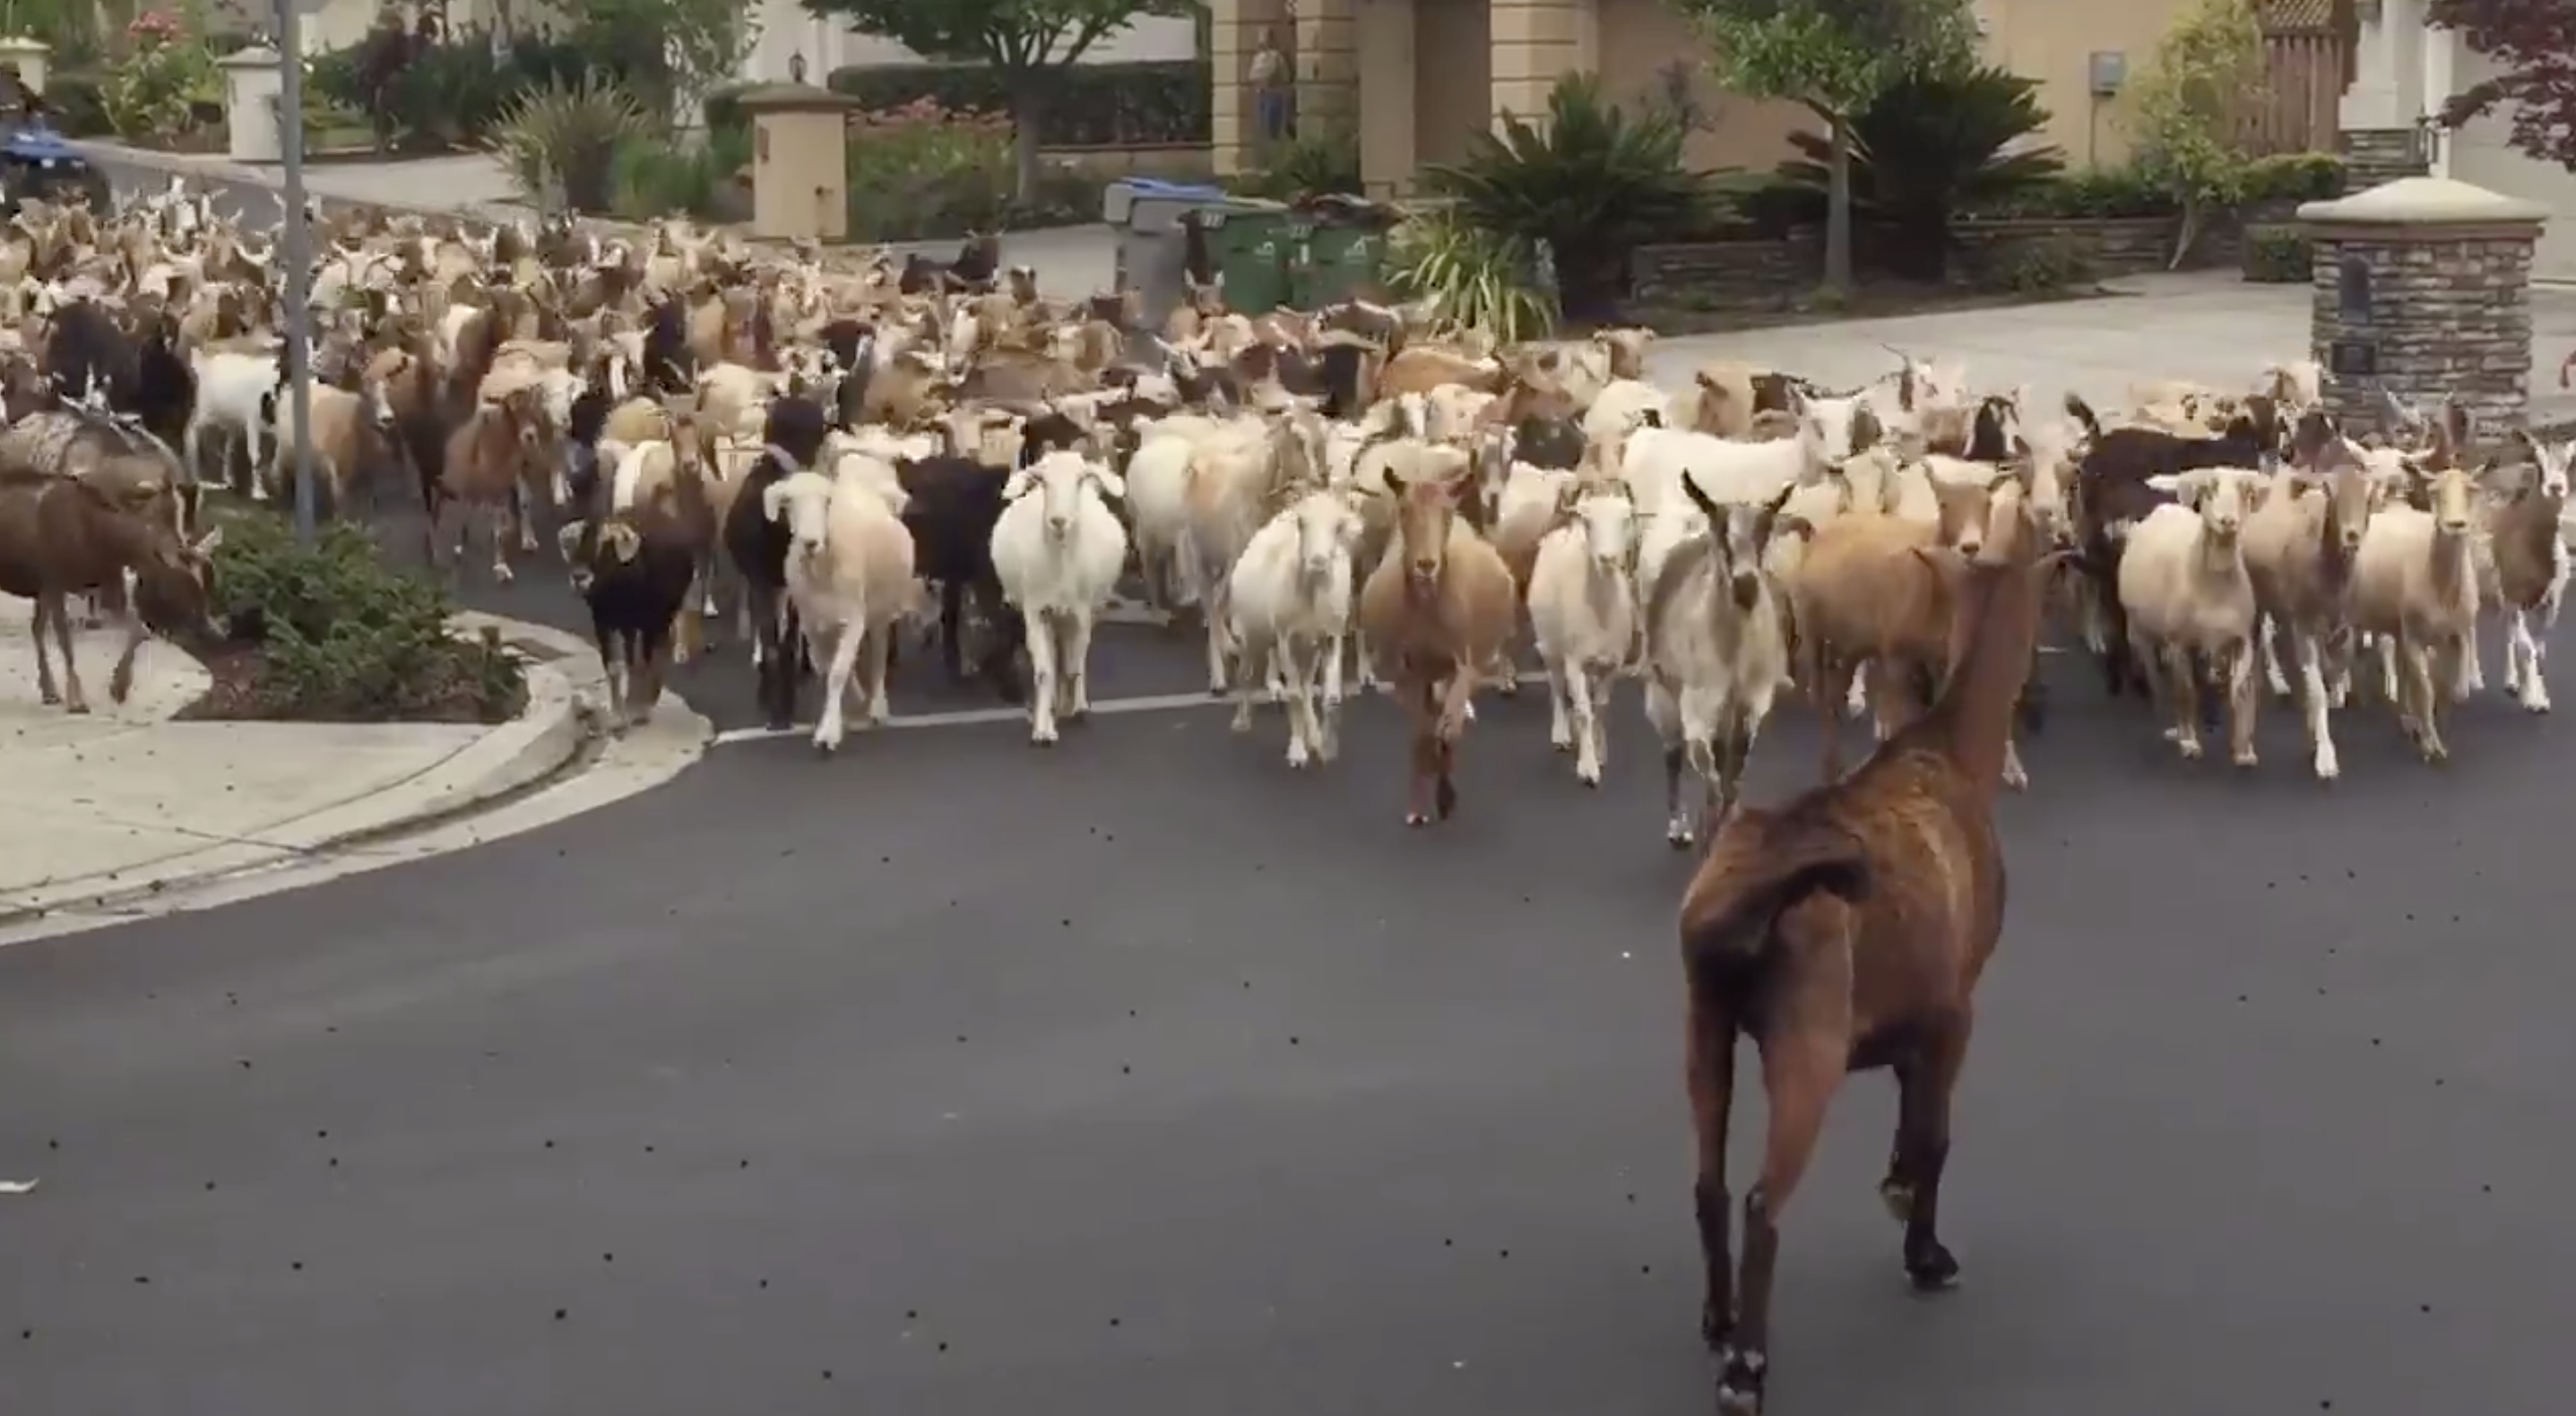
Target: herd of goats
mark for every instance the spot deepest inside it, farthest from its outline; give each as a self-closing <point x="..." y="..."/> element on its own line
<point x="852" y="450"/>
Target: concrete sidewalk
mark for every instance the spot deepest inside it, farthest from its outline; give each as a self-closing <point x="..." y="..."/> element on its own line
<point x="126" y="803"/>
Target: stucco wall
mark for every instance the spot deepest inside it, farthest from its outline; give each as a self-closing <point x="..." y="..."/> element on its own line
<point x="1641" y="39"/>
<point x="2053" y="41"/>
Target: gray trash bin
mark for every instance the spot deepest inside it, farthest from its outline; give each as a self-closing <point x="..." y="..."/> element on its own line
<point x="1153" y="242"/>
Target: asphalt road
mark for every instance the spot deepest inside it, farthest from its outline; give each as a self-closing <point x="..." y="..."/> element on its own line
<point x="1142" y="1076"/>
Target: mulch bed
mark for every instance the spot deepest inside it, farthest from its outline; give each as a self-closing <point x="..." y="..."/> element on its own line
<point x="240" y="694"/>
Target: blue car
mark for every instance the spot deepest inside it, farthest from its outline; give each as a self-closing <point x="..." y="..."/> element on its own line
<point x="35" y="162"/>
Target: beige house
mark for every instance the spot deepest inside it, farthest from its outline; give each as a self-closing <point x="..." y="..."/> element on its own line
<point x="1419" y="76"/>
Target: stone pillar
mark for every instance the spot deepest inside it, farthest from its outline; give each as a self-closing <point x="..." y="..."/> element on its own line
<point x="1328" y="72"/>
<point x="29" y="57"/>
<point x="2423" y="287"/>
<point x="1534" y="42"/>
<point x="1386" y="96"/>
<point x="1234" y="33"/>
<point x="254" y="89"/>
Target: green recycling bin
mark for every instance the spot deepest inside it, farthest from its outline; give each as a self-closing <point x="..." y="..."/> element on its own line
<point x="1251" y="246"/>
<point x="1336" y="259"/>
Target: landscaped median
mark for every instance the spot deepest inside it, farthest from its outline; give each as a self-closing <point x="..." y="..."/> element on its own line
<point x="114" y="808"/>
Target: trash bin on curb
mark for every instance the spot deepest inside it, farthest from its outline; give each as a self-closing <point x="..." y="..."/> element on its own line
<point x="1153" y="239"/>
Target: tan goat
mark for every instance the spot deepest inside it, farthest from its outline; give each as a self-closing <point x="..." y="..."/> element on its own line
<point x="1437" y="609"/>
<point x="496" y="460"/>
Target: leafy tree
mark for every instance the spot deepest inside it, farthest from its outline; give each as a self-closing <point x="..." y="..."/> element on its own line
<point x="1030" y="42"/>
<point x="1834" y="58"/>
<point x="682" y="48"/>
<point x="2534" y="47"/>
<point x="2186" y="109"/>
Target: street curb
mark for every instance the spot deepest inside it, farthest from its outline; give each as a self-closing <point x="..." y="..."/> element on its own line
<point x="558" y="726"/>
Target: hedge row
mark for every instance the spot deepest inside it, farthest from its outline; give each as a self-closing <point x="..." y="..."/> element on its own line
<point x="1095" y="105"/>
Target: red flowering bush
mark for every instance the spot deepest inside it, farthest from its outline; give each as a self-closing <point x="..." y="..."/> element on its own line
<point x="154" y="28"/>
<point x="923" y="169"/>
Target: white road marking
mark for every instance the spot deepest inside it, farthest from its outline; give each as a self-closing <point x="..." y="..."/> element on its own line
<point x="1154" y="703"/>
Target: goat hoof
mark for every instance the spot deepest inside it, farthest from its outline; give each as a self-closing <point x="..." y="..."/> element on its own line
<point x="1739" y="1383"/>
<point x="51" y="697"/>
<point x="1716" y="1328"/>
<point x="1561" y="744"/>
<point x="1416" y="818"/>
<point x="1678" y="837"/>
<point x="1934" y="1269"/>
<point x="1589" y="779"/>
<point x="2248" y="758"/>
<point x="76" y="706"/>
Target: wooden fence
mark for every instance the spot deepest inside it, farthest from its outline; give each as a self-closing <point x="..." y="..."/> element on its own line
<point x="2307" y="60"/>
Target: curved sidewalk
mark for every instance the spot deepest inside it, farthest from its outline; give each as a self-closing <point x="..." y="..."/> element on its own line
<point x="110" y="811"/>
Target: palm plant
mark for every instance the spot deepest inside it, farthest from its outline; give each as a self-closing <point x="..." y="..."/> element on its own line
<point x="1593" y="183"/>
<point x="568" y="136"/>
<point x="1933" y="145"/>
<point x="1473" y="277"/>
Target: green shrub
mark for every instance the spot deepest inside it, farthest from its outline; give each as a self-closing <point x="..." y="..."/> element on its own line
<point x="2093" y="194"/>
<point x="1596" y="183"/>
<point x="655" y="175"/>
<point x="452" y="93"/>
<point x="1931" y="146"/>
<point x="2289" y="178"/>
<point x="924" y="170"/>
<point x="80" y="109"/>
<point x="345" y="638"/>
<point x="2036" y="267"/>
<point x="1323" y="161"/>
<point x="2278" y="255"/>
<point x="1094" y="105"/>
<point x="569" y="136"/>
<point x="1474" y="277"/>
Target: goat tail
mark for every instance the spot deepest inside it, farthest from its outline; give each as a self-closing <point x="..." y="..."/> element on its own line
<point x="2082" y="412"/>
<point x="1748" y="885"/>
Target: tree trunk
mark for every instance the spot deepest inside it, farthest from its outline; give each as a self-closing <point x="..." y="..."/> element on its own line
<point x="1838" y="210"/>
<point x="1028" y="123"/>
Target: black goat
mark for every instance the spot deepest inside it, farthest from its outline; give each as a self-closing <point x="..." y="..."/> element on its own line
<point x="634" y="572"/>
<point x="953" y="503"/>
<point x="90" y="357"/>
<point x="757" y="545"/>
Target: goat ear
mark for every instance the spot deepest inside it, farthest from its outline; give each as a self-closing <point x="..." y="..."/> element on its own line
<point x="1110" y="483"/>
<point x="206" y="544"/>
<point x="2172" y="484"/>
<point x="1017" y="485"/>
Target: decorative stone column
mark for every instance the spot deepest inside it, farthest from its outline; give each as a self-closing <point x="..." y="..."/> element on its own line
<point x="1234" y="34"/>
<point x="28" y="57"/>
<point x="1535" y="41"/>
<point x="2423" y="287"/>
<point x="1328" y="72"/>
<point x="254" y="89"/>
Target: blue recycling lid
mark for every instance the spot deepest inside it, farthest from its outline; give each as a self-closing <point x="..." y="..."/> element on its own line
<point x="1172" y="191"/>
<point x="37" y="142"/>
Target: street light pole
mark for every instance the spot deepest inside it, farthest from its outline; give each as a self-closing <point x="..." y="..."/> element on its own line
<point x="296" y="250"/>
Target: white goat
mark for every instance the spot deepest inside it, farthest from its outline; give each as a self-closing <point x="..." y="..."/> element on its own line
<point x="1717" y="657"/>
<point x="1289" y="596"/>
<point x="234" y="393"/>
<point x="1058" y="550"/>
<point x="2183" y="582"/>
<point x="849" y="574"/>
<point x="1583" y="613"/>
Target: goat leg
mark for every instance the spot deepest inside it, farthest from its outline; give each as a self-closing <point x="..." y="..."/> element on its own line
<point x="74" y="699"/>
<point x="46" y="606"/>
<point x="120" y="680"/>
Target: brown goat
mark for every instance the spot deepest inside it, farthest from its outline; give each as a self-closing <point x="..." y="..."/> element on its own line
<point x="1437" y="609"/>
<point x="2531" y="566"/>
<point x="495" y="460"/>
<point x="61" y="537"/>
<point x="1846" y="931"/>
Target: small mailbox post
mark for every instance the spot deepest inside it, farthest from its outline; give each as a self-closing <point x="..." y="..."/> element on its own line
<point x="2422" y="287"/>
<point x="800" y="141"/>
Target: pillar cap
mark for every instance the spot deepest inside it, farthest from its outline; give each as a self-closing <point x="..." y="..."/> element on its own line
<point x="794" y="98"/>
<point x="257" y="56"/>
<point x="2424" y="201"/>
